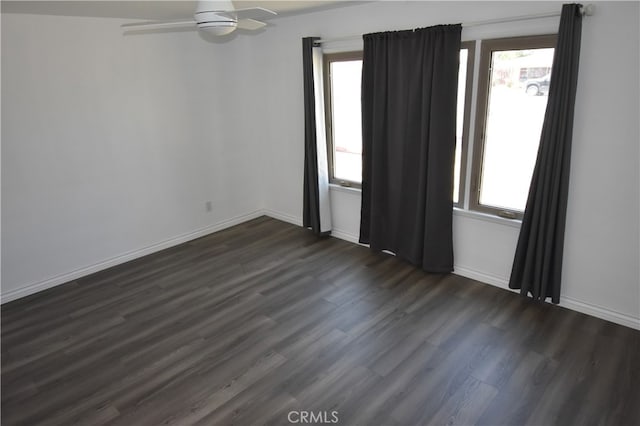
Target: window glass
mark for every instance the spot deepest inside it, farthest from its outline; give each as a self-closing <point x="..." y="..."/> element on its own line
<point x="346" y="120"/>
<point x="517" y="99"/>
<point x="462" y="83"/>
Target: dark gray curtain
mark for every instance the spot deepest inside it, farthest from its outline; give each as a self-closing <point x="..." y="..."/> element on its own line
<point x="311" y="198"/>
<point x="409" y="87"/>
<point x="537" y="266"/>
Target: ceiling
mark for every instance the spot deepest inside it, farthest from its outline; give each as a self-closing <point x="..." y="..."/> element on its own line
<point x="154" y="10"/>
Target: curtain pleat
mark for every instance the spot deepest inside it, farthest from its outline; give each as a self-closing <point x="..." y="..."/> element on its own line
<point x="409" y="88"/>
<point x="537" y="266"/>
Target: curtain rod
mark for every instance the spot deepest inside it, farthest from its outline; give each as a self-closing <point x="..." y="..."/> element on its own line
<point x="587" y="10"/>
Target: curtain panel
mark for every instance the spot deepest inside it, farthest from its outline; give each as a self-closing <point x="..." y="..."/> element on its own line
<point x="537" y="266"/>
<point x="316" y="213"/>
<point x="409" y="88"/>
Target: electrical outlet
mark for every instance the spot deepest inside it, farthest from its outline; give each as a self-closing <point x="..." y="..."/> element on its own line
<point x="208" y="206"/>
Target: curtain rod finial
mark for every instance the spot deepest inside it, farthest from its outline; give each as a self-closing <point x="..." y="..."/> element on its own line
<point x="588" y="10"/>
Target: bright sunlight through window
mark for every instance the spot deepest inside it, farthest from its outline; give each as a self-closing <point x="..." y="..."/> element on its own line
<point x="346" y="120"/>
<point x="518" y="88"/>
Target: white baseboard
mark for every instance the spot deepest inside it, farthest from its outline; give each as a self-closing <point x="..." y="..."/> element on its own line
<point x="600" y="312"/>
<point x="483" y="277"/>
<point x="502" y="282"/>
<point x="285" y="217"/>
<point x="295" y="220"/>
<point x="345" y="236"/>
<point x="565" y="302"/>
<point x="125" y="257"/>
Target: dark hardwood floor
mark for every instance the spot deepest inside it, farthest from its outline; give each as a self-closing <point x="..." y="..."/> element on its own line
<point x="249" y="324"/>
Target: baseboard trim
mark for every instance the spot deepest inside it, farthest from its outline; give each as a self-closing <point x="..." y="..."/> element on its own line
<point x="565" y="302"/>
<point x="295" y="220"/>
<point x="600" y="312"/>
<point x="125" y="257"/>
<point x="483" y="277"/>
<point x="285" y="217"/>
<point x="346" y="236"/>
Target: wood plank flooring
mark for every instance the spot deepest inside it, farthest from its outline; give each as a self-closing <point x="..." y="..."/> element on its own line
<point x="250" y="324"/>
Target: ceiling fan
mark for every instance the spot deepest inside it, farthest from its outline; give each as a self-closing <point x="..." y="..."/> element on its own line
<point x="215" y="17"/>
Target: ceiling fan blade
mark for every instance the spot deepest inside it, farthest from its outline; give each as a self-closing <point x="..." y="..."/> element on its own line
<point x="155" y="25"/>
<point x="253" y="13"/>
<point x="250" y="24"/>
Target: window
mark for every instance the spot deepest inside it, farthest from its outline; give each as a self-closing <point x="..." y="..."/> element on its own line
<point x="513" y="83"/>
<point x="343" y="73"/>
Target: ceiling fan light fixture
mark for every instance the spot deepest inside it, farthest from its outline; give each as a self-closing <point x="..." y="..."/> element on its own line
<point x="218" y="28"/>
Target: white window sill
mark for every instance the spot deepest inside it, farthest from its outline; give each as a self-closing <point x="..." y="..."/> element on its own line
<point x="347" y="189"/>
<point x="484" y="217"/>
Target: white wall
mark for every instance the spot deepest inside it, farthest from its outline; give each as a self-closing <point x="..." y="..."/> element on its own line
<point x="602" y="247"/>
<point x="601" y="271"/>
<point x="112" y="144"/>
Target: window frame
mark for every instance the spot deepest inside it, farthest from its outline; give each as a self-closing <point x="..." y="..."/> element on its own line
<point x="487" y="47"/>
<point x="329" y="58"/>
<point x="470" y="45"/>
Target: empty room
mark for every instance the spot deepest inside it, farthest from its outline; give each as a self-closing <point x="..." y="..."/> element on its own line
<point x="320" y="212"/>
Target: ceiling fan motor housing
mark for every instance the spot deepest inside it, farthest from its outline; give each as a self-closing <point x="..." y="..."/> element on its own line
<point x="218" y="23"/>
<point x="211" y="17"/>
